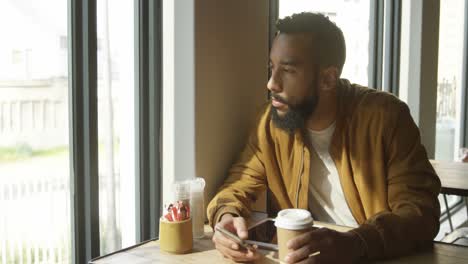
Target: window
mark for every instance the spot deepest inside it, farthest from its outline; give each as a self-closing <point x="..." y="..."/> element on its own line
<point x="69" y="213"/>
<point x="449" y="93"/>
<point x="34" y="151"/>
<point x="353" y="17"/>
<point x="16" y="56"/>
<point x="449" y="83"/>
<point x="115" y="116"/>
<point x="63" y="42"/>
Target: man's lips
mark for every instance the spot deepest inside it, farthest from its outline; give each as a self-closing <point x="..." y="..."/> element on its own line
<point x="277" y="103"/>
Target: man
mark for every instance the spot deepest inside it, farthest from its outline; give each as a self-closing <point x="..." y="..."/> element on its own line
<point x="349" y="154"/>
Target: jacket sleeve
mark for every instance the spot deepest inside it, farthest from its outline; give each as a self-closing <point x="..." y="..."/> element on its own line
<point x="413" y="187"/>
<point x="246" y="180"/>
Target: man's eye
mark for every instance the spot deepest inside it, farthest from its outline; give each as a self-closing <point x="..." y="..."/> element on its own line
<point x="288" y="69"/>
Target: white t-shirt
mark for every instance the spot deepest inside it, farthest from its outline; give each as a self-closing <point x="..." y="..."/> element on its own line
<point x="326" y="198"/>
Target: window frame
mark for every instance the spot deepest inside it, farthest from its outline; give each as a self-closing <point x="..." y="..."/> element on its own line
<point x="385" y="33"/>
<point x="82" y="64"/>
<point x="83" y="113"/>
<point x="376" y="35"/>
<point x="464" y="92"/>
<point x="148" y="103"/>
<point x="391" y="74"/>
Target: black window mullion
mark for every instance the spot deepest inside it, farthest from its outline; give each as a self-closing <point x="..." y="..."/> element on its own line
<point x="392" y="44"/>
<point x="464" y="92"/>
<point x="83" y="130"/>
<point x="141" y="65"/>
<point x="376" y="31"/>
<point x="396" y="40"/>
<point x="148" y="23"/>
<point x="154" y="115"/>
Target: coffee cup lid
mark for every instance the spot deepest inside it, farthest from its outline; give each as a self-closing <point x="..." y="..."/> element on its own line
<point x="294" y="219"/>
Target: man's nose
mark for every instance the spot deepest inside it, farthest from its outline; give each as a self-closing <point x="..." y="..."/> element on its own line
<point x="274" y="85"/>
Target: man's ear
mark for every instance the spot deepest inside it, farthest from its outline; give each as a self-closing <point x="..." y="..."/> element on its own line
<point x="328" y="78"/>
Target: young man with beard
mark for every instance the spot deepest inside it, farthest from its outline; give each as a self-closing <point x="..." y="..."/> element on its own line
<point x="349" y="154"/>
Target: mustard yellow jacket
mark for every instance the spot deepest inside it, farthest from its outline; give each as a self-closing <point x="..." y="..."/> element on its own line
<point x="388" y="182"/>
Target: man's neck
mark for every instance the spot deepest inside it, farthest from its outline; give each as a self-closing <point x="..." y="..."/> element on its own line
<point x="324" y="114"/>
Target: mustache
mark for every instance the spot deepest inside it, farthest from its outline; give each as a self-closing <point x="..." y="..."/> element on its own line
<point x="279" y="98"/>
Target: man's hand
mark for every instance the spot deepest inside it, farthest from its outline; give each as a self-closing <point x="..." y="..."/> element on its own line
<point x="334" y="247"/>
<point x="229" y="248"/>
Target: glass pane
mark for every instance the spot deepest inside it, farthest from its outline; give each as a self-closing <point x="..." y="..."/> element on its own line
<point x="449" y="93"/>
<point x="353" y="19"/>
<point x="34" y="154"/>
<point x="449" y="79"/>
<point x="116" y="119"/>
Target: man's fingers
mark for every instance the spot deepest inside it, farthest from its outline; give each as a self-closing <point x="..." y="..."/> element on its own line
<point x="313" y="238"/>
<point x="306" y="256"/>
<point x="299" y="254"/>
<point x="299" y="241"/>
<point x="241" y="227"/>
<point x="224" y="241"/>
<point x="237" y="255"/>
<point x="227" y="224"/>
<point x="230" y="248"/>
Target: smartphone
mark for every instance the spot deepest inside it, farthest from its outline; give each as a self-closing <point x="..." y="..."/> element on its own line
<point x="233" y="237"/>
<point x="263" y="234"/>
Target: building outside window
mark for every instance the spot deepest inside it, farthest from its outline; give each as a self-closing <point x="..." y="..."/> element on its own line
<point x="35" y="223"/>
<point x="449" y="83"/>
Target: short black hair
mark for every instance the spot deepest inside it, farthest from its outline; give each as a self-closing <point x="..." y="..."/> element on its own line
<point x="329" y="45"/>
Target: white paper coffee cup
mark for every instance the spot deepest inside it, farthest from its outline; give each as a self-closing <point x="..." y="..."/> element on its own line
<point x="289" y="224"/>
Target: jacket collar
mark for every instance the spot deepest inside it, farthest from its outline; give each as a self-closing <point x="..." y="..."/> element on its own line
<point x="343" y="94"/>
<point x="343" y="91"/>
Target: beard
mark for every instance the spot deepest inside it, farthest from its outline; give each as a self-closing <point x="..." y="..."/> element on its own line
<point x="296" y="115"/>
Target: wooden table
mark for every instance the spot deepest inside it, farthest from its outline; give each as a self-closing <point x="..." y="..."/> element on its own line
<point x="453" y="176"/>
<point x="204" y="252"/>
<point x="454" y="179"/>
